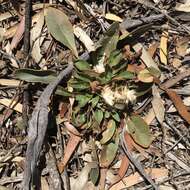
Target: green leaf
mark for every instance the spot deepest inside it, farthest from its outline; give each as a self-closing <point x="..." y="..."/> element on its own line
<point x="94" y="175"/>
<point x="80" y="119"/>
<point x="108" y="154"/>
<point x="116" y="116"/>
<point x="107" y="77"/>
<point x="107" y="114"/>
<point x="139" y="130"/>
<point x="80" y="85"/>
<point x="60" y="28"/>
<point x="82" y="65"/>
<point x="62" y="92"/>
<point x="106" y="45"/>
<point x="81" y="77"/>
<point x="115" y="58"/>
<point x="124" y="75"/>
<point x="109" y="132"/>
<point x="95" y="101"/>
<point x="83" y="99"/>
<point x="31" y="75"/>
<point x="98" y="114"/>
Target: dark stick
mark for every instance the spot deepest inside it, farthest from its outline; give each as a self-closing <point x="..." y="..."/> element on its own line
<point x="28" y="9"/>
<point x="131" y="23"/>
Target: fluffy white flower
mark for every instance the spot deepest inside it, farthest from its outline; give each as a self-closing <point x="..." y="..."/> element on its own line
<point x="131" y="95"/>
<point x="108" y="95"/>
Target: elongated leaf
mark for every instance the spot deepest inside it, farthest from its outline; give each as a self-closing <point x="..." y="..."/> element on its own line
<point x="139" y="130"/>
<point x="108" y="154"/>
<point x="95" y="101"/>
<point x="124" y="75"/>
<point x="115" y="58"/>
<point x="106" y="45"/>
<point x="31" y="75"/>
<point x="60" y="28"/>
<point x="83" y="99"/>
<point x="82" y="65"/>
<point x="95" y="174"/>
<point x="109" y="132"/>
<point x="80" y="85"/>
<point x="98" y="115"/>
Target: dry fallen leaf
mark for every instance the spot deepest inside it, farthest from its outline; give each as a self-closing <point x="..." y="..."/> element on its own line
<point x="84" y="38"/>
<point x="145" y="56"/>
<point x="181" y="46"/>
<point x="6" y="102"/>
<point x="9" y="82"/>
<point x="69" y="149"/>
<point x="163" y="47"/>
<point x="156" y="173"/>
<point x="113" y="17"/>
<point x="36" y="39"/>
<point x="158" y="105"/>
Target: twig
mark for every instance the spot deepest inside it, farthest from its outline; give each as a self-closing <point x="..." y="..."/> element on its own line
<point x="150" y="5"/>
<point x="130" y="23"/>
<point x="28" y="8"/>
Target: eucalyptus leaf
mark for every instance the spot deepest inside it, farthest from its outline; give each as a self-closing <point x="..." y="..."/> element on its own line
<point x="32" y="75"/>
<point x="139" y="130"/>
<point x="60" y="28"/>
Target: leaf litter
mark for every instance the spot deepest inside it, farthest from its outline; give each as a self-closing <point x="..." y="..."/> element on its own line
<point x="130" y="67"/>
